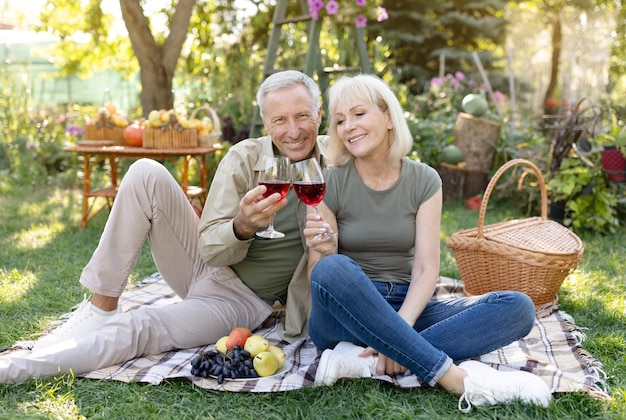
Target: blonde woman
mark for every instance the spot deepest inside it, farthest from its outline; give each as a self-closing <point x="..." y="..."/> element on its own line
<point x="372" y="283"/>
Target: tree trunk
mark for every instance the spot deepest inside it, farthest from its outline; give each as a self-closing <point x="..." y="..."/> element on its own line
<point x="557" y="37"/>
<point x="157" y="63"/>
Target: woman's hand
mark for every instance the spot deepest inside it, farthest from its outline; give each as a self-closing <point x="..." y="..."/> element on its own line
<point x="315" y="225"/>
<point x="385" y="365"/>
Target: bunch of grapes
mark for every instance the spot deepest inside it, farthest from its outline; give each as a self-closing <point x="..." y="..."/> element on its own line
<point x="236" y="363"/>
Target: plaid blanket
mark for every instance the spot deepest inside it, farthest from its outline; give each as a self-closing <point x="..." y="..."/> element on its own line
<point x="552" y="351"/>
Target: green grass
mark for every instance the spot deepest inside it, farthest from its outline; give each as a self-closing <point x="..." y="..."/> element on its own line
<point x="42" y="254"/>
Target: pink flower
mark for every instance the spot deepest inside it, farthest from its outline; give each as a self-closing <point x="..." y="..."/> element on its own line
<point x="360" y="21"/>
<point x="382" y="14"/>
<point x="316" y="5"/>
<point x="332" y="7"/>
<point x="499" y="96"/>
<point x="360" y="2"/>
<point x="459" y="75"/>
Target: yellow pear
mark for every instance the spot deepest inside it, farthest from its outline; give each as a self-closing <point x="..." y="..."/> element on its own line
<point x="221" y="344"/>
<point x="279" y="354"/>
<point x="265" y="364"/>
<point x="256" y="344"/>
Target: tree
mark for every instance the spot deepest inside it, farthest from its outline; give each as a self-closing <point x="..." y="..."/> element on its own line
<point x="551" y="12"/>
<point x="156" y="54"/>
<point x="419" y="31"/>
<point x="157" y="62"/>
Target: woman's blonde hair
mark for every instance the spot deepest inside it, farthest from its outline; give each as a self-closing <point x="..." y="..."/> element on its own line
<point x="371" y="89"/>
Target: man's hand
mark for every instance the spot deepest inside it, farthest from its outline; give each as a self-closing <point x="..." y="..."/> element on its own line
<point x="255" y="212"/>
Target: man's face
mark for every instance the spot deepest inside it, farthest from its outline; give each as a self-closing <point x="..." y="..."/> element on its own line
<point x="292" y="121"/>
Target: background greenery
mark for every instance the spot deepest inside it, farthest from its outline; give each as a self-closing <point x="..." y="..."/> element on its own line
<point x="43" y="254"/>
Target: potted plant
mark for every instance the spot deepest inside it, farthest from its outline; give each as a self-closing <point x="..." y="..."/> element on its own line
<point x="588" y="203"/>
<point x="614" y="150"/>
<point x="613" y="144"/>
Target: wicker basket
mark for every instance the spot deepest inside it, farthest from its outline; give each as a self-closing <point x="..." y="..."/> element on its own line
<point x="105" y="133"/>
<point x="531" y="255"/>
<point x="215" y="135"/>
<point x="169" y="138"/>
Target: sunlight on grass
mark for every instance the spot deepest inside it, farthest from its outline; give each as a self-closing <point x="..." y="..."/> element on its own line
<point x="36" y="237"/>
<point x="13" y="285"/>
<point x="58" y="400"/>
<point x="583" y="286"/>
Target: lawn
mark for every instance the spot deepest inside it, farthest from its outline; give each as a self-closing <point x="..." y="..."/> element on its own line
<point x="43" y="252"/>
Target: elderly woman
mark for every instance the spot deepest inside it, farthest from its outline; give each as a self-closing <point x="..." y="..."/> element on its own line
<point x="371" y="283"/>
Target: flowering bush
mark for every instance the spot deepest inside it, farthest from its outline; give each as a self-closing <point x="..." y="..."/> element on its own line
<point x="432" y="114"/>
<point x="360" y="9"/>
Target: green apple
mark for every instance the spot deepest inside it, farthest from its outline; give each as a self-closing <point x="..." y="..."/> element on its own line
<point x="154" y="118"/>
<point x="265" y="364"/>
<point x="279" y="354"/>
<point x="256" y="344"/>
<point x="221" y="344"/>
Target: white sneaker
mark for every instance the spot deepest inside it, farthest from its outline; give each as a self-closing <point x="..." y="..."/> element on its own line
<point x="344" y="362"/>
<point x="485" y="385"/>
<point x="81" y="321"/>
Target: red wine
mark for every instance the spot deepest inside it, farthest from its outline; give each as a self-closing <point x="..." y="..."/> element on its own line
<point x="310" y="193"/>
<point x="281" y="187"/>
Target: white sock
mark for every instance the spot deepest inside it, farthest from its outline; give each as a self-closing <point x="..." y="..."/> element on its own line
<point x="102" y="312"/>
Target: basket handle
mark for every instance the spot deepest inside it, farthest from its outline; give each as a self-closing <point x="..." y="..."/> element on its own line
<point x="217" y="126"/>
<point x="492" y="184"/>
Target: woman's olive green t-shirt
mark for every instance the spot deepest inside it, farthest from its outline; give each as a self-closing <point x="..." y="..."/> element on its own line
<point x="377" y="228"/>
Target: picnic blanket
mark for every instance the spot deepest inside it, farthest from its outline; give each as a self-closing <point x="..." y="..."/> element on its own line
<point x="552" y="351"/>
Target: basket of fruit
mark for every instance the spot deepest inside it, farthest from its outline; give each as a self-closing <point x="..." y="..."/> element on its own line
<point x="168" y="130"/>
<point x="107" y="124"/>
<point x="209" y="127"/>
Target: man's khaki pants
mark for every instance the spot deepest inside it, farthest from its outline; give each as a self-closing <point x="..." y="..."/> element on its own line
<point x="149" y="205"/>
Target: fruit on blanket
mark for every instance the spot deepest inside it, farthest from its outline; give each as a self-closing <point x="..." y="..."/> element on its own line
<point x="234" y="364"/>
<point x="279" y="354"/>
<point x="221" y="344"/>
<point x="238" y="337"/>
<point x="256" y="344"/>
<point x="265" y="363"/>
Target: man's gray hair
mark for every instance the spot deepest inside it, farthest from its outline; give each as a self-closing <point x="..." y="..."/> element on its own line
<point x="287" y="79"/>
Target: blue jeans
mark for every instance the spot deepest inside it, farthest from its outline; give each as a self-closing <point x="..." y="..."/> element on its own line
<point x="348" y="306"/>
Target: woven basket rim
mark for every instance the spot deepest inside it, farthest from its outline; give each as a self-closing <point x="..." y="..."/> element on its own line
<point x="472" y="233"/>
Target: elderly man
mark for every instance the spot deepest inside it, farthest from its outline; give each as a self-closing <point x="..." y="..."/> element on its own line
<point x="225" y="277"/>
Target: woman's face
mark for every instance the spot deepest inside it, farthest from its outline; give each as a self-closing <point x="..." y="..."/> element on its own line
<point x="363" y="128"/>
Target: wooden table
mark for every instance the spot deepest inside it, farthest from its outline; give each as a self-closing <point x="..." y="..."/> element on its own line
<point x="93" y="155"/>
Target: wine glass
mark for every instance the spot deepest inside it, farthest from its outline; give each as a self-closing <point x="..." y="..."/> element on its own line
<point x="309" y="185"/>
<point x="275" y="176"/>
